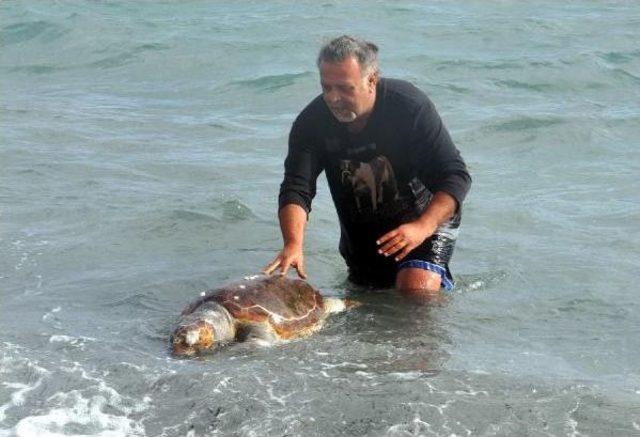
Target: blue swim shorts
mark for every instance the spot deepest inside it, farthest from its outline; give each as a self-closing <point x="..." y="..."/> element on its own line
<point x="433" y="254"/>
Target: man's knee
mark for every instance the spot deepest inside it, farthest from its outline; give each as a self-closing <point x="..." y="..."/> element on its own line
<point x="416" y="280"/>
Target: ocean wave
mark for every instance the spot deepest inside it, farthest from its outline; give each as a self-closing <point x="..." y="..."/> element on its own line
<point x="446" y="86"/>
<point x="127" y="56"/>
<point x="114" y="61"/>
<point x="538" y="87"/>
<point x="524" y="123"/>
<point x="273" y="82"/>
<point x="235" y="210"/>
<point x="478" y="65"/>
<point x="179" y="222"/>
<point x="191" y="215"/>
<point x="22" y="32"/>
<point x="228" y="211"/>
<point x="620" y="57"/>
<point x="35" y="69"/>
<point x="144" y="300"/>
<point x="624" y="74"/>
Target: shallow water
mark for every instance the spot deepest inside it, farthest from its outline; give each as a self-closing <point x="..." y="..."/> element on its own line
<point x="142" y="148"/>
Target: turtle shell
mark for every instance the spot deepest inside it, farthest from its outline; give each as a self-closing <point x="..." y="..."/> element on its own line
<point x="291" y="306"/>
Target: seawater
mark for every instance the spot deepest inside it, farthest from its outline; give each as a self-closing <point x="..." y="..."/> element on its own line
<point x="141" y="153"/>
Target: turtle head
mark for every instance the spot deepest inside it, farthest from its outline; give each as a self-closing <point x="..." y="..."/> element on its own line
<point x="191" y="339"/>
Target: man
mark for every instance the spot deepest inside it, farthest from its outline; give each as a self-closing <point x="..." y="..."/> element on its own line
<point x="396" y="178"/>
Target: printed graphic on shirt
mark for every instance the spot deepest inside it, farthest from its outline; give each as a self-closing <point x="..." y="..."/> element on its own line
<point x="372" y="185"/>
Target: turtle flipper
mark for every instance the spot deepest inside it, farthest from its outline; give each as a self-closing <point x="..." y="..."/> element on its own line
<point x="336" y="305"/>
<point x="257" y="333"/>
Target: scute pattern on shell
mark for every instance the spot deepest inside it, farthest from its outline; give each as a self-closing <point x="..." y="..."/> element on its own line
<point x="291" y="306"/>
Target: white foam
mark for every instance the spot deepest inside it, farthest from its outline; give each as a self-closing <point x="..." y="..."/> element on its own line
<point x="61" y="339"/>
<point x="479" y="372"/>
<point x="476" y="285"/>
<point x="8" y="364"/>
<point x="344" y="364"/>
<point x="279" y="399"/>
<point x="416" y="427"/>
<point x="86" y="410"/>
<point x="406" y="376"/>
<point x="51" y="318"/>
<point x="571" y="422"/>
<point x="96" y="409"/>
<point x="471" y="392"/>
<point x="82" y="411"/>
<point x="69" y="339"/>
<point x="77" y="342"/>
<point x="17" y="397"/>
<point x="252" y="277"/>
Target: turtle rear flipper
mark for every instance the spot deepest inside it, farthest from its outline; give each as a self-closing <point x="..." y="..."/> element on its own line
<point x="336" y="305"/>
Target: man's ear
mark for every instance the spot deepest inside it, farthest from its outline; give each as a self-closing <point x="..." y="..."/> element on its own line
<point x="372" y="80"/>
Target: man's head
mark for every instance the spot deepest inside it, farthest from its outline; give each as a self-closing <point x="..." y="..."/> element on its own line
<point x="348" y="75"/>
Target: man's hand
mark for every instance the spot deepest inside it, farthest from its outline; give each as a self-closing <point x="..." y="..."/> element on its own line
<point x="405" y="238"/>
<point x="289" y="256"/>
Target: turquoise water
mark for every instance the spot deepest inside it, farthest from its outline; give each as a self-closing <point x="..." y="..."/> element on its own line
<point x="141" y="154"/>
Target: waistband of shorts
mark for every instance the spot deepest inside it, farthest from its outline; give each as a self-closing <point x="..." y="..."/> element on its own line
<point x="447" y="282"/>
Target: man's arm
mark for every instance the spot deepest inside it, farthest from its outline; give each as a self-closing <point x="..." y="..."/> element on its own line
<point x="444" y="173"/>
<point x="293" y="218"/>
<point x="438" y="161"/>
<point x="301" y="169"/>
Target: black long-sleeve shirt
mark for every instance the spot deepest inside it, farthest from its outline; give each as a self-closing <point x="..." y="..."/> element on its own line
<point x="373" y="175"/>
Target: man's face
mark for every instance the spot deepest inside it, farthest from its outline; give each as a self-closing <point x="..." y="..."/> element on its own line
<point x="349" y="95"/>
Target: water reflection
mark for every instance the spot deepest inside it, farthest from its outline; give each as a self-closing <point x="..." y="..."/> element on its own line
<point x="403" y="328"/>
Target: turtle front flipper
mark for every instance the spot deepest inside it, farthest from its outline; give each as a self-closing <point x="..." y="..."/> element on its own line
<point x="261" y="334"/>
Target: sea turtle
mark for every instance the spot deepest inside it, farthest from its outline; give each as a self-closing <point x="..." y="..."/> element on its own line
<point x="261" y="308"/>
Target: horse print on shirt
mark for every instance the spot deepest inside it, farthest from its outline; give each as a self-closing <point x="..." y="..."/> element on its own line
<point x="372" y="184"/>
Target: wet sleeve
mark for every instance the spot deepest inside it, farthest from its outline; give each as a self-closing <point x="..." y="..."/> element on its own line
<point x="301" y="168"/>
<point x="439" y="163"/>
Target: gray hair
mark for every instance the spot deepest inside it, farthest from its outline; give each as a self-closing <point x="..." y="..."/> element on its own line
<point x="345" y="46"/>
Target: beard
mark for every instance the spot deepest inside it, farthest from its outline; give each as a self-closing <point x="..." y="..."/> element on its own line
<point x="343" y="115"/>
